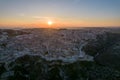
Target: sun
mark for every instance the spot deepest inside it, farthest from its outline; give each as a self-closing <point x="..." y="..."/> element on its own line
<point x="50" y="22"/>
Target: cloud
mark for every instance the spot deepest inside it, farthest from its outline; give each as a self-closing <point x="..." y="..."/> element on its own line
<point x="21" y="14"/>
<point x="40" y="17"/>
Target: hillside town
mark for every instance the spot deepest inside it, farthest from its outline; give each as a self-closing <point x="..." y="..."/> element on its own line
<point x="51" y="44"/>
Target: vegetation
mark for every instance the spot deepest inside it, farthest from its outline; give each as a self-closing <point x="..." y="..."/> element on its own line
<point x="34" y="68"/>
<point x="102" y="43"/>
<point x="106" y="49"/>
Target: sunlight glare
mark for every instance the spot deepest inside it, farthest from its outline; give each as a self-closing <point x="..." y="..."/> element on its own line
<point x="50" y="22"/>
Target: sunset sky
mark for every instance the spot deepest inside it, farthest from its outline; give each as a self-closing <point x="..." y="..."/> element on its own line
<point x="62" y="13"/>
